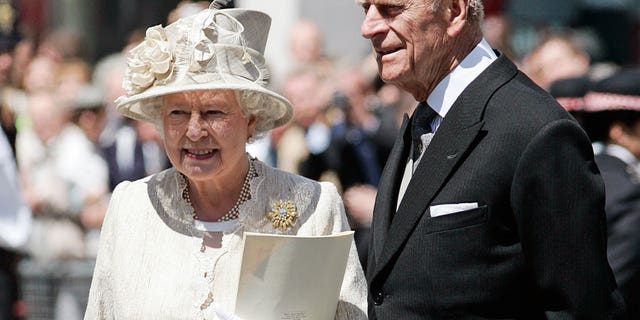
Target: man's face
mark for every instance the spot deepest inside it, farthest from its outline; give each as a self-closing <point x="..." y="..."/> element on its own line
<point x="302" y="90"/>
<point x="631" y="138"/>
<point x="409" y="39"/>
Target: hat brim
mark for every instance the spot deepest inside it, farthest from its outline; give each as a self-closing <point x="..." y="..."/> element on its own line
<point x="134" y="106"/>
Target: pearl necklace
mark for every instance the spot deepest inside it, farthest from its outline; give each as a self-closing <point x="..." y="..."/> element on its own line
<point x="245" y="194"/>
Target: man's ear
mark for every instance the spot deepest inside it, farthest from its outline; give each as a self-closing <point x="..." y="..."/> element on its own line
<point x="458" y="14"/>
<point x="618" y="133"/>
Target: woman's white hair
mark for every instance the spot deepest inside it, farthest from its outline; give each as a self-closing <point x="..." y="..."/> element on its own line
<point x="256" y="104"/>
<point x="152" y="108"/>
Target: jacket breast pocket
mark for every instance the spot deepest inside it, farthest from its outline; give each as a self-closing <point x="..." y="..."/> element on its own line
<point x="457" y="220"/>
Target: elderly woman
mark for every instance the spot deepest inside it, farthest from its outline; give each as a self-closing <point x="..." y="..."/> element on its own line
<point x="171" y="244"/>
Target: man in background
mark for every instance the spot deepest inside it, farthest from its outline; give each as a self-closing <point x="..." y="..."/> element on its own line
<point x="613" y="110"/>
<point x="15" y="226"/>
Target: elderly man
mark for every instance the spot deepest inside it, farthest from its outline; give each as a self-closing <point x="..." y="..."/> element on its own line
<point x="495" y="207"/>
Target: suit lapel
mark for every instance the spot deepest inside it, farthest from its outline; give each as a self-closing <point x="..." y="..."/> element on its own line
<point x="385" y="205"/>
<point x="453" y="140"/>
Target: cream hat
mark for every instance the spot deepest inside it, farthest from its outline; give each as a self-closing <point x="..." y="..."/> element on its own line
<point x="211" y="50"/>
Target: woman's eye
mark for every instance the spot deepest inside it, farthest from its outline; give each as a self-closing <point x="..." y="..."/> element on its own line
<point x="178" y="114"/>
<point x="213" y="113"/>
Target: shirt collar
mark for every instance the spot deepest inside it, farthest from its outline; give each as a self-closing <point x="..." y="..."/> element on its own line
<point x="621" y="153"/>
<point x="449" y="89"/>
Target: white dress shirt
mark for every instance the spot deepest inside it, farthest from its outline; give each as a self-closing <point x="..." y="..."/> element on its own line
<point x="447" y="92"/>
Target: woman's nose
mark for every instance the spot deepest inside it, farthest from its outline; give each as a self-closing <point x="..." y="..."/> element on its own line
<point x="196" y="127"/>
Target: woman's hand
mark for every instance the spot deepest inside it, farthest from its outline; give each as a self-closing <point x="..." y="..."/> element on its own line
<point x="225" y="315"/>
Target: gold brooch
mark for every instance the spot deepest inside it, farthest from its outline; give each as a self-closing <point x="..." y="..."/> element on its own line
<point x="283" y="214"/>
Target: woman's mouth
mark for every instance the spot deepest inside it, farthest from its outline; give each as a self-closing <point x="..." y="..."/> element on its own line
<point x="200" y="154"/>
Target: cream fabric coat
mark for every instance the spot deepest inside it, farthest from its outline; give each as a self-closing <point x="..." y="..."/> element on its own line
<point x="149" y="265"/>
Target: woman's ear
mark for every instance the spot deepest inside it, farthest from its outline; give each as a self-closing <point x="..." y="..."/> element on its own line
<point x="253" y="121"/>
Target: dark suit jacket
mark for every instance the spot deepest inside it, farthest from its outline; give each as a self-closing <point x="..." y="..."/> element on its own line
<point x="536" y="245"/>
<point x="118" y="174"/>
<point x="623" y="227"/>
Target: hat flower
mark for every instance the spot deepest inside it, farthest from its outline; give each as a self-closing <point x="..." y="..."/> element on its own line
<point x="148" y="62"/>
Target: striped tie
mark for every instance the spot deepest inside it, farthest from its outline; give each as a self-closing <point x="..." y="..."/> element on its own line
<point x="420" y="125"/>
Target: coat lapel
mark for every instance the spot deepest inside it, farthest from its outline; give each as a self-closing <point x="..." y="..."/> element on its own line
<point x="454" y="138"/>
<point x="385" y="205"/>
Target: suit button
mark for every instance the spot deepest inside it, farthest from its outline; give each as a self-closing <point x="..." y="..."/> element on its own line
<point x="378" y="298"/>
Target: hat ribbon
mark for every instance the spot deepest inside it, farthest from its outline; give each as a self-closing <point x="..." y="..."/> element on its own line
<point x="213" y="33"/>
<point x="601" y="101"/>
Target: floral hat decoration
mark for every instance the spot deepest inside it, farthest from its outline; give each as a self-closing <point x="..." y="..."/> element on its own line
<point x="215" y="49"/>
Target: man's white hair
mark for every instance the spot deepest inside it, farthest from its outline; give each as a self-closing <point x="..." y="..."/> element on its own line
<point x="476" y="11"/>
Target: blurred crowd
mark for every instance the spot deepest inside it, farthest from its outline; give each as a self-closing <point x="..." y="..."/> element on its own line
<point x="72" y="148"/>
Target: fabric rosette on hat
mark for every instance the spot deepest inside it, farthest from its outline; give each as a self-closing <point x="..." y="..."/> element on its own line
<point x="215" y="49"/>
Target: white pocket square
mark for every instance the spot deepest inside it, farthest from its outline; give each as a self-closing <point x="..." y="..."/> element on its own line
<point x="444" y="209"/>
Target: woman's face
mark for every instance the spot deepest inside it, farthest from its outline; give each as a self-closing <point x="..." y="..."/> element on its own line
<point x="205" y="133"/>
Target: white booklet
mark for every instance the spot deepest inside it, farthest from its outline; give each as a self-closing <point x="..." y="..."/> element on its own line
<point x="291" y="277"/>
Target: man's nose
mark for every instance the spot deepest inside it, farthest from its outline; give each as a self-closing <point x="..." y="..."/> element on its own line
<point x="373" y="23"/>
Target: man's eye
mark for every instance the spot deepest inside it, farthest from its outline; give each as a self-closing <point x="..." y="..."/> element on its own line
<point x="390" y="10"/>
<point x="365" y="7"/>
